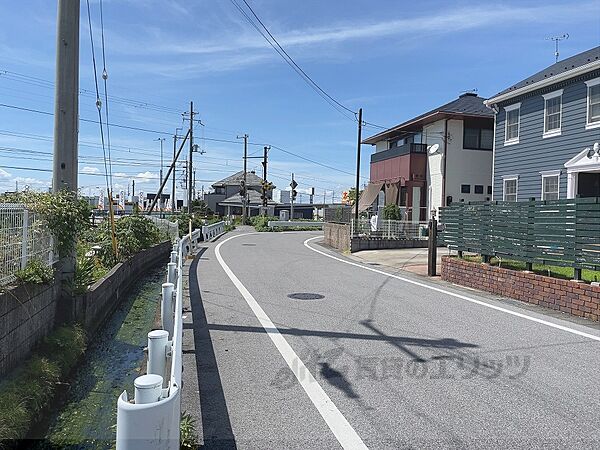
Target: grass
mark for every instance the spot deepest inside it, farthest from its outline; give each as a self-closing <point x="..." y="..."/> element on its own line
<point x="189" y="434"/>
<point x="29" y="390"/>
<point x="566" y="273"/>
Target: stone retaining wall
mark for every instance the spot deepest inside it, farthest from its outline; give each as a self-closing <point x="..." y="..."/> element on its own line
<point x="337" y="235"/>
<point x="571" y="297"/>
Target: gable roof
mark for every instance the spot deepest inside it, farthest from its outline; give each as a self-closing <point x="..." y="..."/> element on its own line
<point x="467" y="105"/>
<point x="560" y="70"/>
<point x="253" y="197"/>
<point x="234" y="180"/>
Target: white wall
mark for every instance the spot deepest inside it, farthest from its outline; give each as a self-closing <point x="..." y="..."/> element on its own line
<point x="466" y="166"/>
<point x="432" y="134"/>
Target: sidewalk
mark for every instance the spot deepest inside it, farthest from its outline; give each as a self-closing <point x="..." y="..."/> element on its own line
<point x="410" y="259"/>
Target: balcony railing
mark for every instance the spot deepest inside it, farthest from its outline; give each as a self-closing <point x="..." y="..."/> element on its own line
<point x="398" y="151"/>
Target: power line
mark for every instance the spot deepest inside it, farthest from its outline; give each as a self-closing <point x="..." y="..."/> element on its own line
<point x="342" y="109"/>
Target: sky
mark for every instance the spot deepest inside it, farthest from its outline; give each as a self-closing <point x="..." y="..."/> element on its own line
<point x="395" y="59"/>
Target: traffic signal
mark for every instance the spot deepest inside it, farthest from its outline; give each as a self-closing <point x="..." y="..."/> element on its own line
<point x="242" y="189"/>
<point x="294" y="194"/>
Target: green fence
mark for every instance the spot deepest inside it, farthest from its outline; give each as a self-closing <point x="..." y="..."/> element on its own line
<point x="559" y="232"/>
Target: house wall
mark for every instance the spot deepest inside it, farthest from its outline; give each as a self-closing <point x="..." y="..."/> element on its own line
<point x="465" y="166"/>
<point x="534" y="154"/>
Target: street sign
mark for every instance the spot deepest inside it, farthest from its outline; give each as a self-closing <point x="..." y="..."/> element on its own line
<point x="293" y="184"/>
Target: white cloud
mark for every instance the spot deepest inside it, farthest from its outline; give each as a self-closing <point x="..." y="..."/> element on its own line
<point x="90" y="170"/>
<point x="4" y="174"/>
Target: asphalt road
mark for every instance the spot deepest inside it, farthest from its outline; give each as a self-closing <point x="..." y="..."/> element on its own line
<point x="362" y="359"/>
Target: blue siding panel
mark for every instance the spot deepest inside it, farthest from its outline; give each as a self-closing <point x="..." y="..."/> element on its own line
<point x="534" y="154"/>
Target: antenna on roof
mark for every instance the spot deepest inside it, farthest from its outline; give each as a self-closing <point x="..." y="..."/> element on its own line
<point x="556" y="40"/>
<point x="470" y="91"/>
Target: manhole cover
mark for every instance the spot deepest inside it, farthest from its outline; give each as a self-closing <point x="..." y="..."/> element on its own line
<point x="306" y="296"/>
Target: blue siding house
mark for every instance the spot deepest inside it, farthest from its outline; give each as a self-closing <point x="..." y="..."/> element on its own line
<point x="547" y="133"/>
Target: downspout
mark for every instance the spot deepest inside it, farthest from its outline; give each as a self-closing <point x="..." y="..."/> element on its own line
<point x="444" y="165"/>
<point x="495" y="109"/>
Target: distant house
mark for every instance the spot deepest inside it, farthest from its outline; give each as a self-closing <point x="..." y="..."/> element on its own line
<point x="432" y="160"/>
<point x="547" y="133"/>
<point x="226" y="196"/>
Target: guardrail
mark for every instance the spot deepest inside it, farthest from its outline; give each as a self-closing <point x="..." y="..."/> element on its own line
<point x="212" y="230"/>
<point x="295" y="223"/>
<point x="151" y="420"/>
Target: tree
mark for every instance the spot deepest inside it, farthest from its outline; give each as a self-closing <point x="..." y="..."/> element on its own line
<point x="352" y="195"/>
<point x="391" y="212"/>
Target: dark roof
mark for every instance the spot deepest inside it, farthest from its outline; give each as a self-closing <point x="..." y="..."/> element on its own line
<point x="234" y="180"/>
<point x="563" y="66"/>
<point x="253" y="196"/>
<point x="468" y="104"/>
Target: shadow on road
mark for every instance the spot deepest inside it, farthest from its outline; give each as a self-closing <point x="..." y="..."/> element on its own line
<point x="337" y="379"/>
<point x="216" y="425"/>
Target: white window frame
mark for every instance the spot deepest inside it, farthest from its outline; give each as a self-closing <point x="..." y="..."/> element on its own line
<point x="550" y="96"/>
<point x="514" y="178"/>
<point x="507" y="109"/>
<point x="590" y="125"/>
<point x="549" y="174"/>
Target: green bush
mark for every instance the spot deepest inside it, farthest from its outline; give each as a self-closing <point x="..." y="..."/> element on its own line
<point x="261" y="223"/>
<point x="36" y="272"/>
<point x="183" y="220"/>
<point x="134" y="234"/>
<point x="28" y="392"/>
<point x="391" y="212"/>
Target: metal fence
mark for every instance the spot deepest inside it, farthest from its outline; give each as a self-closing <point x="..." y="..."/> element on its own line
<point x="24" y="237"/>
<point x="558" y="232"/>
<point x="151" y="420"/>
<point x="170" y="229"/>
<point x="389" y="229"/>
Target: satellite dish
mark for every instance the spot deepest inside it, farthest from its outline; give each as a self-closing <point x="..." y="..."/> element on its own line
<point x="433" y="149"/>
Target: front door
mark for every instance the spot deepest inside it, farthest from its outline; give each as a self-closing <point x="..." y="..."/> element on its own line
<point x="588" y="184"/>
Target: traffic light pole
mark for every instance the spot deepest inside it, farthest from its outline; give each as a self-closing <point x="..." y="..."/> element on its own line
<point x="292" y="198"/>
<point x="358" y="167"/>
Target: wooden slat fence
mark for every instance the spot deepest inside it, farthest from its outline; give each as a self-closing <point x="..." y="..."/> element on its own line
<point x="559" y="232"/>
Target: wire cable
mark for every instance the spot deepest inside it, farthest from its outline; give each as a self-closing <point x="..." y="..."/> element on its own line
<point x="105" y="78"/>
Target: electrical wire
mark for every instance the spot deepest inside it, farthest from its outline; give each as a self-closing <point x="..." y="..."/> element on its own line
<point x="105" y="78"/>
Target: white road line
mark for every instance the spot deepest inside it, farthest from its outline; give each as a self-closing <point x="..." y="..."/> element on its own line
<point x="454" y="294"/>
<point x="343" y="431"/>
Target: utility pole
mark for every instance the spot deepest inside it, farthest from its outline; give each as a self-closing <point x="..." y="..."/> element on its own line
<point x="264" y="164"/>
<point x="358" y="168"/>
<point x="174" y="200"/>
<point x="133" y="188"/>
<point x="66" y="109"/>
<point x="189" y="168"/>
<point x="244" y="199"/>
<point x="194" y="185"/>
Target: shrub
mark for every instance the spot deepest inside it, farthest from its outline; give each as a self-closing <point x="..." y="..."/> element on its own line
<point x="134" y="234"/>
<point x="36" y="272"/>
<point x="391" y="212"/>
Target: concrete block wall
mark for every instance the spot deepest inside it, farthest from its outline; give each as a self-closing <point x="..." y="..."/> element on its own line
<point x="27" y="315"/>
<point x="575" y="298"/>
<point x="337" y="235"/>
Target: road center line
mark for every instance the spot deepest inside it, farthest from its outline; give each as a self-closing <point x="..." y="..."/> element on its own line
<point x="453" y="294"/>
<point x="343" y="431"/>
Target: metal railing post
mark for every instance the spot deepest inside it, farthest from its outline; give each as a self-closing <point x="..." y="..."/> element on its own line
<point x="171" y="272"/>
<point x="157" y="352"/>
<point x="148" y="389"/>
<point x="166" y="308"/>
<point x="25" y="237"/>
<point x="173" y="256"/>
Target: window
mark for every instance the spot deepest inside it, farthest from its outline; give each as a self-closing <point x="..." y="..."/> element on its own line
<point x="550" y="185"/>
<point x="513" y="113"/>
<point x="489" y="191"/>
<point x="465" y="188"/>
<point x="552" y="113"/>
<point x="593" y="103"/>
<point x="478" y="138"/>
<point x="220" y="190"/>
<point x="479" y="189"/>
<point x="510" y="189"/>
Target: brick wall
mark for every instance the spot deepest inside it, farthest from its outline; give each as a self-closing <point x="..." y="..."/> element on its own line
<point x="578" y="299"/>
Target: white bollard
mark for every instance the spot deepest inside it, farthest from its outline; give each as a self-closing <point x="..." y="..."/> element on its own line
<point x="166" y="308"/>
<point x="148" y="389"/>
<point x="171" y="272"/>
<point x="157" y="352"/>
<point x="173" y="256"/>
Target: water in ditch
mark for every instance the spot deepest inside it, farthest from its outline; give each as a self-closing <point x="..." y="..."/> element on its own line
<point x="87" y="419"/>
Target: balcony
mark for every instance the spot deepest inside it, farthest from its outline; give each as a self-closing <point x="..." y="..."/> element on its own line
<point x="398" y="151"/>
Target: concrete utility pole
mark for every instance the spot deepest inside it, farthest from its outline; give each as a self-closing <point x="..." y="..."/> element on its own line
<point x="189" y="168"/>
<point x="264" y="164"/>
<point x="358" y="167"/>
<point x="292" y="184"/>
<point x="66" y="100"/>
<point x="244" y="200"/>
